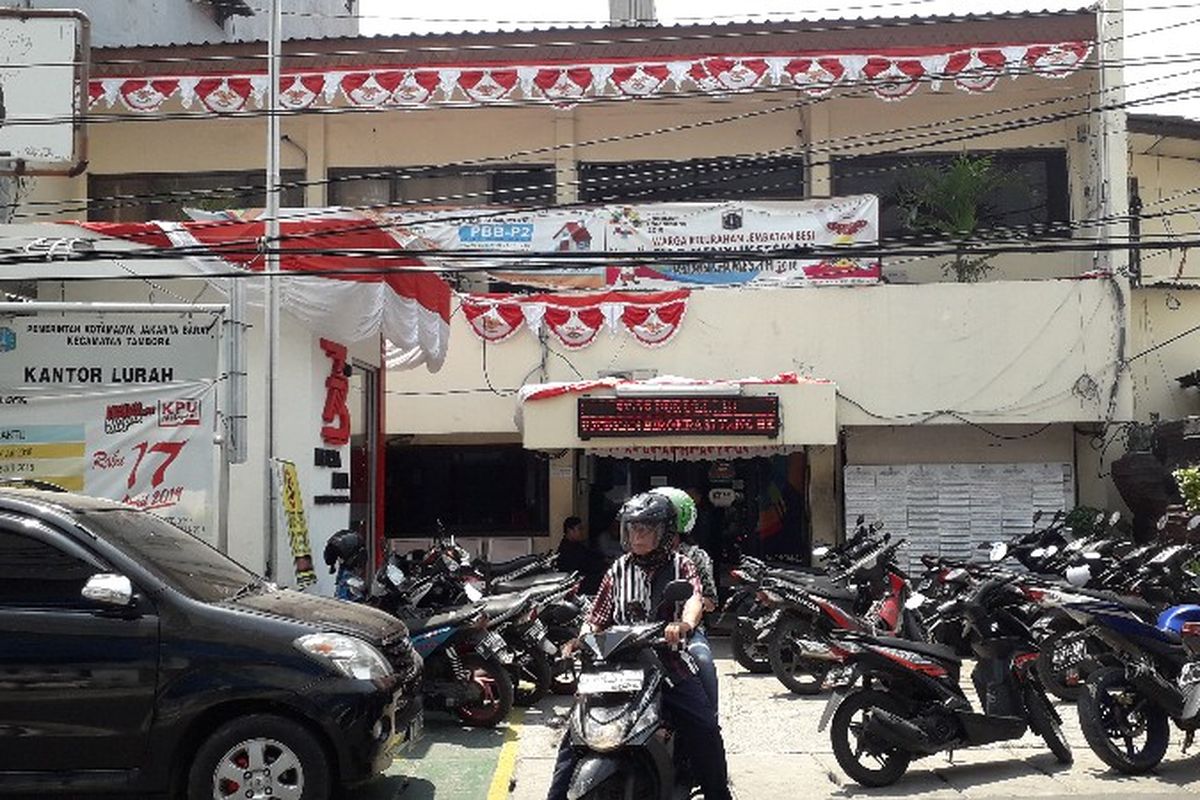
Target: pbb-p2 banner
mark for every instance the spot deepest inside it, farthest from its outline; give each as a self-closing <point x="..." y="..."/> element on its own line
<point x="151" y="447"/>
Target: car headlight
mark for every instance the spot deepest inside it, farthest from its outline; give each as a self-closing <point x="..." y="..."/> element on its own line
<point x="352" y="657"/>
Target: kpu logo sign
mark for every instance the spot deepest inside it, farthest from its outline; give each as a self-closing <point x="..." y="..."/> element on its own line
<point x="174" y="413"/>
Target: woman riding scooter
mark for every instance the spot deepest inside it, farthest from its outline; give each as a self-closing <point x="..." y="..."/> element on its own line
<point x="631" y="592"/>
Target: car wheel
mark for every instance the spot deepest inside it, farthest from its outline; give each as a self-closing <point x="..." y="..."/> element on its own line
<point x="260" y="756"/>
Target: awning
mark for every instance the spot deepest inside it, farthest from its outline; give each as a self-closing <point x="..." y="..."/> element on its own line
<point x="752" y="416"/>
<point x="353" y="285"/>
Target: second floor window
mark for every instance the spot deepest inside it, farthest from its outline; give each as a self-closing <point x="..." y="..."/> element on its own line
<point x="470" y="186"/>
<point x="139" y="197"/>
<point x="779" y="178"/>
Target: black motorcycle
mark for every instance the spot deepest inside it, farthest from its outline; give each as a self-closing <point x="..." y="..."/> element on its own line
<point x="617" y="722"/>
<point x="910" y="703"/>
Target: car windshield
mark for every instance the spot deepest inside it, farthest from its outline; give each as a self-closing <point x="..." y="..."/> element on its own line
<point x="179" y="559"/>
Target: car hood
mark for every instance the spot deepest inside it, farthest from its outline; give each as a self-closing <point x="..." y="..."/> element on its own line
<point x="323" y="612"/>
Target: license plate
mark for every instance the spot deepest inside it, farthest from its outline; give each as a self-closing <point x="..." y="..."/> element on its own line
<point x="612" y="681"/>
<point x="831" y="708"/>
<point x="839" y="678"/>
<point x="536" y="632"/>
<point x="491" y="645"/>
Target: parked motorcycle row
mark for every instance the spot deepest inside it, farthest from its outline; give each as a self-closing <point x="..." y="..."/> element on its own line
<point x="1100" y="620"/>
<point x="490" y="634"/>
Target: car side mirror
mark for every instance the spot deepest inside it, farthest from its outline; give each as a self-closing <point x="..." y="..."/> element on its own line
<point x="109" y="589"/>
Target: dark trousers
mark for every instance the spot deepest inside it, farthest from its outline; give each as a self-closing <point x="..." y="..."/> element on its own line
<point x="700" y="650"/>
<point x="697" y="737"/>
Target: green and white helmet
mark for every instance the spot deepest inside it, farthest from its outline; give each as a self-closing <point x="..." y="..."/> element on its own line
<point x="685" y="507"/>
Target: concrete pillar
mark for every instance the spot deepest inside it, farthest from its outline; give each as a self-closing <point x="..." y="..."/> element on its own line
<point x="316" y="193"/>
<point x="566" y="172"/>
<point x="823" y="505"/>
<point x="815" y="132"/>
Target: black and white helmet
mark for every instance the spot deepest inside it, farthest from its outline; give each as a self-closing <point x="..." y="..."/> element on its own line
<point x="648" y="508"/>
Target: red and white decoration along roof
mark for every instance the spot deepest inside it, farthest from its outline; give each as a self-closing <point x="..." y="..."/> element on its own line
<point x="353" y="284"/>
<point x="888" y="73"/>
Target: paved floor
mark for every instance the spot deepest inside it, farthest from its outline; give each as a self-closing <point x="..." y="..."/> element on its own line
<point x="774" y="751"/>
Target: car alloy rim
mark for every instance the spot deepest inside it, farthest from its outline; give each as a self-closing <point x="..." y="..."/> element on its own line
<point x="258" y="769"/>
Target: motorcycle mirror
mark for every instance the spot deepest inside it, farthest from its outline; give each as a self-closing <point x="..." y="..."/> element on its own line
<point x="1114" y="518"/>
<point x="821" y="552"/>
<point x="915" y="601"/>
<point x="1079" y="576"/>
<point x="1037" y="515"/>
<point x="678" y="591"/>
<point x="861" y="519"/>
<point x="1194" y="523"/>
<point x="998" y="552"/>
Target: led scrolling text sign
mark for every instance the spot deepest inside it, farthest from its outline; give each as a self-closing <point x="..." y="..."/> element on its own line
<point x="678" y="416"/>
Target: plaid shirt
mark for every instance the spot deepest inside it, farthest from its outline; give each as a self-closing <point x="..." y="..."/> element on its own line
<point x="626" y="584"/>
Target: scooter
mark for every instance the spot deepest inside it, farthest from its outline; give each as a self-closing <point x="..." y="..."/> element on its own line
<point x="625" y="746"/>
<point x="910" y="703"/>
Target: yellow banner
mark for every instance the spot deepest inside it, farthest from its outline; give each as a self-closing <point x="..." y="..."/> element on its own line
<point x="293" y="509"/>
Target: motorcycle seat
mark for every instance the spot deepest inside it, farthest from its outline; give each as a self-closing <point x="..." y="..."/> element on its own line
<point x="498" y="605"/>
<point x="501" y="567"/>
<point x="453" y="616"/>
<point x="819" y="585"/>
<point x="937" y="651"/>
<point x="530" y="582"/>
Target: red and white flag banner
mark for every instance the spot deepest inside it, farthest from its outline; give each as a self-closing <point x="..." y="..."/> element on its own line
<point x="575" y="320"/>
<point x="888" y="73"/>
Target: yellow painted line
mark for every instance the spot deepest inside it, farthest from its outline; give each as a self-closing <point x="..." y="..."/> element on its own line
<point x="507" y="764"/>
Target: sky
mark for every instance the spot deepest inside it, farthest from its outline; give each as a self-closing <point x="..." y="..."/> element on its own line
<point x="1156" y="31"/>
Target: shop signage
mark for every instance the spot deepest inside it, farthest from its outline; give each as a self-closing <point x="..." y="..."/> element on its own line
<point x="692" y="415"/>
<point x="90" y="349"/>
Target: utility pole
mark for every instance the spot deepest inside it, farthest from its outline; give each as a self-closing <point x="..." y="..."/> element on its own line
<point x="271" y="295"/>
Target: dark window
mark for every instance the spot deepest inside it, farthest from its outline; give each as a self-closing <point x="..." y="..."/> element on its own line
<point x="463" y="186"/>
<point x="165" y="195"/>
<point x="176" y="557"/>
<point x="697" y="179"/>
<point x="34" y="574"/>
<point x="1034" y="197"/>
<point x="472" y="489"/>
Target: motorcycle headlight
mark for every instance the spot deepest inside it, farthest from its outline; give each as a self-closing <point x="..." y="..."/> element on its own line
<point x="603" y="736"/>
<point x="352" y="657"/>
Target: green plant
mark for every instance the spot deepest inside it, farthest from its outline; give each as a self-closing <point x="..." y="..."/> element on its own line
<point x="950" y="201"/>
<point x="1188" y="481"/>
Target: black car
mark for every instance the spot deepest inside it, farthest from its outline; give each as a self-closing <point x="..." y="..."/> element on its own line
<point x="136" y="659"/>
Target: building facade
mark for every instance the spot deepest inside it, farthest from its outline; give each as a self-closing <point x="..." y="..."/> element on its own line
<point x="955" y="408"/>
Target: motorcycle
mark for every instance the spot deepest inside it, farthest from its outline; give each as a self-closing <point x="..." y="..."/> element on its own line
<point x="617" y="724"/>
<point x="910" y="703"/>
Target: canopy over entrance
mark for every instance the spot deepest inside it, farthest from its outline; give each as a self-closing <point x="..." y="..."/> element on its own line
<point x="677" y="417"/>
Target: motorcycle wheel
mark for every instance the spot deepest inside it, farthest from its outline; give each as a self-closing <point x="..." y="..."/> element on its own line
<point x="1062" y="679"/>
<point x="1046" y="723"/>
<point x="800" y="675"/>
<point x="751" y="654"/>
<point x="497" y="693"/>
<point x="1122" y="727"/>
<point x="531" y="677"/>
<point x="884" y="767"/>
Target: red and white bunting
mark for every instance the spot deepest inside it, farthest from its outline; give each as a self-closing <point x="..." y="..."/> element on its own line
<point x="652" y="318"/>
<point x="890" y="74"/>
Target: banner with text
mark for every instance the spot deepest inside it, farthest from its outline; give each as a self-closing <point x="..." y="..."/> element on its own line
<point x="712" y="227"/>
<point x="97" y="349"/>
<point x="151" y="447"/>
